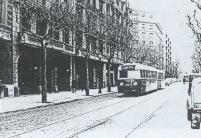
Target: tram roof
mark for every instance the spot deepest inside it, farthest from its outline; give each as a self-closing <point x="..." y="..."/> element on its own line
<point x="192" y="74"/>
<point x="140" y="66"/>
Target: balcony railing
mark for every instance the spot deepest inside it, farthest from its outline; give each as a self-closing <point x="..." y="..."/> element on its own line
<point x="31" y="39"/>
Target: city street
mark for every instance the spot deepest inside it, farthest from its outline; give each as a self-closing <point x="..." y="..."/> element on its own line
<point x="68" y="69"/>
<point x="158" y="114"/>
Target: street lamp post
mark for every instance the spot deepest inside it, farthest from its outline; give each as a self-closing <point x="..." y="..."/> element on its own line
<point x="100" y="81"/>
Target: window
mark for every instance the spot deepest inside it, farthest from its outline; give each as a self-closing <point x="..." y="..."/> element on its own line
<point x="40" y="26"/>
<point x="26" y="24"/>
<point x="108" y="9"/>
<point x="101" y="46"/>
<point x="66" y="36"/>
<point x="117" y="3"/>
<point x="1" y="9"/>
<point x="108" y="49"/>
<point x="56" y="34"/>
<point x="123" y="74"/>
<point x="143" y="73"/>
<point x="80" y="39"/>
<point x="94" y="4"/>
<point x="101" y="6"/>
<point x="88" y="2"/>
<point x="122" y="7"/>
<point x="93" y="44"/>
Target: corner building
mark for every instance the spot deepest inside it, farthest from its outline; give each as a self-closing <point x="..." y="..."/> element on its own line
<point x="21" y="66"/>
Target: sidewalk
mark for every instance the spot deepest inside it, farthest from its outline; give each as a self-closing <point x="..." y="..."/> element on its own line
<point x="22" y="102"/>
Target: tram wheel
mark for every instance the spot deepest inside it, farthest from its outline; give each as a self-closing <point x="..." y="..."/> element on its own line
<point x="195" y="125"/>
<point x="189" y="115"/>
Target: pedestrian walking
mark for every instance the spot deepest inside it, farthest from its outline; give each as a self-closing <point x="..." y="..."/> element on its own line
<point x="81" y="83"/>
<point x="74" y="85"/>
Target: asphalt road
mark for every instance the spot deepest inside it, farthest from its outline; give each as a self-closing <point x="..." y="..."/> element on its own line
<point x="158" y="114"/>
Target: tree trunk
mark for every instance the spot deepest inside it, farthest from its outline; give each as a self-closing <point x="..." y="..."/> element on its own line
<point x="87" y="76"/>
<point x="100" y="78"/>
<point x="108" y="75"/>
<point x="44" y="73"/>
<point x="74" y="79"/>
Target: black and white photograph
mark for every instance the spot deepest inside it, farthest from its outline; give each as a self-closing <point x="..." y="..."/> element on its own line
<point x="100" y="68"/>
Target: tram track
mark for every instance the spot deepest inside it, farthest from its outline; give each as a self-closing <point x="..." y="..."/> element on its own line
<point x="104" y="121"/>
<point x="108" y="118"/>
<point x="147" y="119"/>
<point x="85" y="113"/>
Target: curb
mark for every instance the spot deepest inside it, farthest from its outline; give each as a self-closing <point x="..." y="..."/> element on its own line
<point x="57" y="103"/>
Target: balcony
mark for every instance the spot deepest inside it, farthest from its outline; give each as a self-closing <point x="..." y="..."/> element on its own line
<point x="5" y="32"/>
<point x="29" y="39"/>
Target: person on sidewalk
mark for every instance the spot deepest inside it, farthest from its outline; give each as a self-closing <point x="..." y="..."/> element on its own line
<point x="82" y="83"/>
<point x="74" y="85"/>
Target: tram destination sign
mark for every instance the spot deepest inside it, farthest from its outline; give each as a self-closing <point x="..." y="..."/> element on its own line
<point x="128" y="67"/>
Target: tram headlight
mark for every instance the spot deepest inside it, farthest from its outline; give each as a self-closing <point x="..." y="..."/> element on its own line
<point x="134" y="83"/>
<point x="121" y="84"/>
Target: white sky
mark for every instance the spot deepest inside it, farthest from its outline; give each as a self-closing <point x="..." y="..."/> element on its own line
<point x="171" y="15"/>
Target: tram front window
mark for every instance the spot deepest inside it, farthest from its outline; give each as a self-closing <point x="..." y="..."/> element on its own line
<point x="123" y="74"/>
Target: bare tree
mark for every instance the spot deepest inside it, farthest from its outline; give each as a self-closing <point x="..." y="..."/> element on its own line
<point x="193" y="21"/>
<point x="49" y="15"/>
<point x="196" y="58"/>
<point x="117" y="38"/>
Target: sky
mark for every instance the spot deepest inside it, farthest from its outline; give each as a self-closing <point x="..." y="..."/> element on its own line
<point x="171" y="14"/>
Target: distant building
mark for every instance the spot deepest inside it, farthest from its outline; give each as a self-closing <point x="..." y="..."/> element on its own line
<point x="148" y="32"/>
<point x="167" y="57"/>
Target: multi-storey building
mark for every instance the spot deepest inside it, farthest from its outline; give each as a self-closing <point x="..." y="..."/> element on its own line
<point x="6" y="48"/>
<point x="174" y="69"/>
<point x="148" y="32"/>
<point x="167" y="57"/>
<point x="21" y="65"/>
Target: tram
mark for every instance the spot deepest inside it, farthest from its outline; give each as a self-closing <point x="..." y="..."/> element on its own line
<point x="136" y="79"/>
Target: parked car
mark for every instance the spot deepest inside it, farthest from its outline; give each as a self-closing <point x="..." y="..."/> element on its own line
<point x="194" y="103"/>
<point x="174" y="80"/>
<point x="168" y="81"/>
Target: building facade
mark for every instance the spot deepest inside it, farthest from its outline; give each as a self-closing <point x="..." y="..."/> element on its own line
<point x="167" y="57"/>
<point x="6" y="48"/>
<point x="148" y="33"/>
<point x="21" y="65"/>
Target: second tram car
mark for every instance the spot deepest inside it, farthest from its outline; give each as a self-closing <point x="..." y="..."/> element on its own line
<point x="135" y="78"/>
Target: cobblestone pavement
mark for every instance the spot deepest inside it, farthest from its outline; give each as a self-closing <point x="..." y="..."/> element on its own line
<point x="14" y="123"/>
